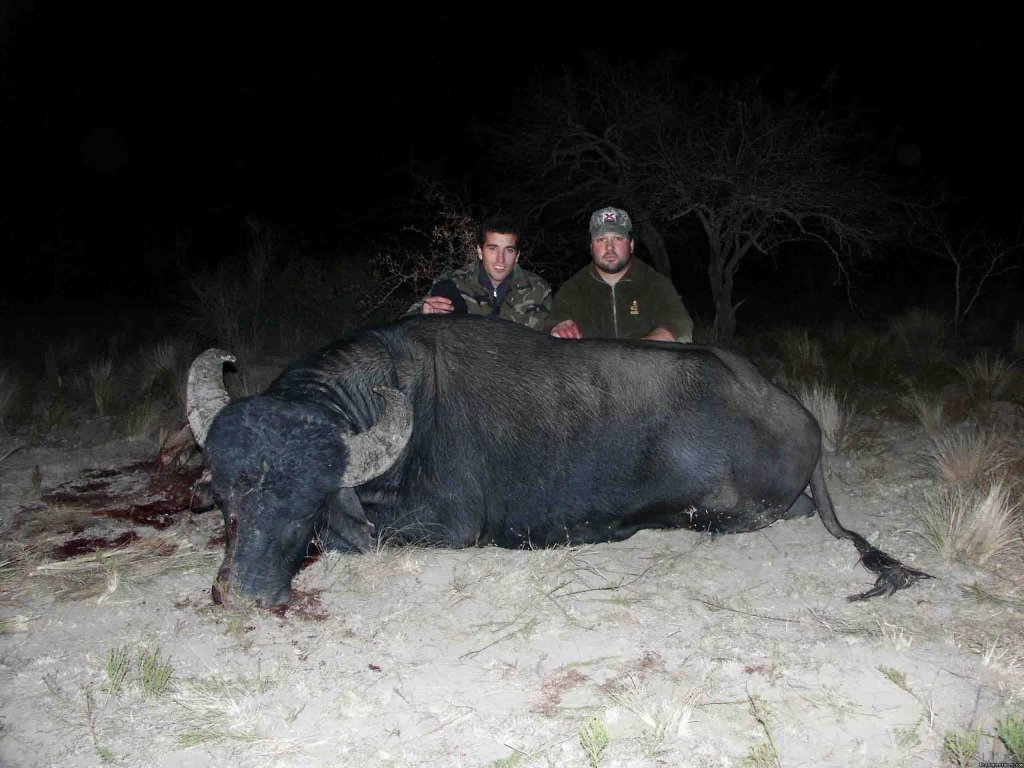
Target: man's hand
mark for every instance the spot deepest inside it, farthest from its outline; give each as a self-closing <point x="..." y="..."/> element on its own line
<point x="567" y="329"/>
<point x="436" y="305"/>
<point x="660" y="334"/>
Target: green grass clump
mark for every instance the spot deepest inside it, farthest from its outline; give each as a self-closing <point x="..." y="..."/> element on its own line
<point x="155" y="672"/>
<point x="764" y="754"/>
<point x="1010" y="731"/>
<point x="117" y="666"/>
<point x="594" y="740"/>
<point x="960" y="747"/>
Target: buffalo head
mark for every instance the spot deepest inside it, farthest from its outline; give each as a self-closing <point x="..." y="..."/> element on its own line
<point x="275" y="464"/>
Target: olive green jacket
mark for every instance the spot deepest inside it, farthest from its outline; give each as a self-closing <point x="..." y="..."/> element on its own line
<point x="527" y="302"/>
<point x="642" y="300"/>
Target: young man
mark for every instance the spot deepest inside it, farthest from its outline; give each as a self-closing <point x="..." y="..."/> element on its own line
<point x="494" y="284"/>
<point x="617" y="296"/>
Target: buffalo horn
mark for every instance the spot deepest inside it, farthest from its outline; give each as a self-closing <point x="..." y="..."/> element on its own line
<point x="372" y="452"/>
<point x="206" y="393"/>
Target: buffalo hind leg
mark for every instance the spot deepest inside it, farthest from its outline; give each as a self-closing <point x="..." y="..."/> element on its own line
<point x="802" y="507"/>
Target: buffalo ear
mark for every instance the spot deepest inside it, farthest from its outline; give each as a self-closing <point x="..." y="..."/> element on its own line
<point x="347" y="526"/>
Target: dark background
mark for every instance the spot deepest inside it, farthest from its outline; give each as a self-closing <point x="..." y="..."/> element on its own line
<point x="130" y="131"/>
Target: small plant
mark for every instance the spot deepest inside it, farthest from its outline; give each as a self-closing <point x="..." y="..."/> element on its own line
<point x="1010" y="731"/>
<point x="960" y="747"/>
<point x="593" y="739"/>
<point x="971" y="526"/>
<point x="896" y="677"/>
<point x="907" y="737"/>
<point x="117" y="666"/>
<point x="764" y="754"/>
<point x="511" y="761"/>
<point x="154" y="672"/>
<point x="834" y="414"/>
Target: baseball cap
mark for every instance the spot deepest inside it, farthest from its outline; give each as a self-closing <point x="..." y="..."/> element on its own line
<point x="608" y="220"/>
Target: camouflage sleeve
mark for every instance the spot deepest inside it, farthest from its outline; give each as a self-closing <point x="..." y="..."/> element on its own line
<point x="541" y="301"/>
<point x="415" y="307"/>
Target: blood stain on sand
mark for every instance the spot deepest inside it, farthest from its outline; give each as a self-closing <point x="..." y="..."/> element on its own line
<point x="83" y="546"/>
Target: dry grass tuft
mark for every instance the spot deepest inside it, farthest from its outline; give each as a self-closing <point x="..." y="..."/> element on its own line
<point x="928" y="409"/>
<point x="142" y="419"/>
<point x="1017" y="341"/>
<point x="226" y="709"/>
<point x="967" y="456"/>
<point x="164" y="369"/>
<point x="972" y="526"/>
<point x="104" y="385"/>
<point x="11" y="624"/>
<point x="833" y="412"/>
<point x="801" y="355"/>
<point x="8" y="393"/>
<point x="989" y="377"/>
<point x="167" y="354"/>
<point x="918" y="334"/>
<point x="663" y="719"/>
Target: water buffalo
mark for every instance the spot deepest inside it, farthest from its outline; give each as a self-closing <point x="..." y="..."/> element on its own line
<point x="470" y="431"/>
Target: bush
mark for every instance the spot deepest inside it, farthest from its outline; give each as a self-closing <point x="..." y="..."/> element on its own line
<point x="265" y="301"/>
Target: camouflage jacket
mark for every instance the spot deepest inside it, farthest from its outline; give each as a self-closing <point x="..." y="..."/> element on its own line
<point x="527" y="301"/>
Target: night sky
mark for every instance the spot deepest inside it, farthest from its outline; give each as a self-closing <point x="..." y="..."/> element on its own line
<point x="127" y="126"/>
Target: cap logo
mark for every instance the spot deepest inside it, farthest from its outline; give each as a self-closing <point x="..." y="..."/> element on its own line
<point x="609" y="217"/>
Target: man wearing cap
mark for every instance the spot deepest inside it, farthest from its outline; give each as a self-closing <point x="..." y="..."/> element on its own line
<point x="493" y="284"/>
<point x="617" y="296"/>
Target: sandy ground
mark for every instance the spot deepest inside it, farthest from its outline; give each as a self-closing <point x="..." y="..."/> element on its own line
<point x="669" y="649"/>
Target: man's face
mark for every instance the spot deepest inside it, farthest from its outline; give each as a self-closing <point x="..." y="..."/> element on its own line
<point x="499" y="254"/>
<point x="611" y="252"/>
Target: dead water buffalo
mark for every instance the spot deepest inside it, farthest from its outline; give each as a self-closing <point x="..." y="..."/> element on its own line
<point x="469" y="431"/>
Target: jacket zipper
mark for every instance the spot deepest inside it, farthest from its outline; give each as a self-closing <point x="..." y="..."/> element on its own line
<point x="615" y="314"/>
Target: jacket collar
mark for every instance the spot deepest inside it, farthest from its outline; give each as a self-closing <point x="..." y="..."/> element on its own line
<point x="596" y="274"/>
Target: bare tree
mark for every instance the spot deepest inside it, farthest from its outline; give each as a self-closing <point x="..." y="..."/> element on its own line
<point x="757" y="175"/>
<point x="976" y="257"/>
